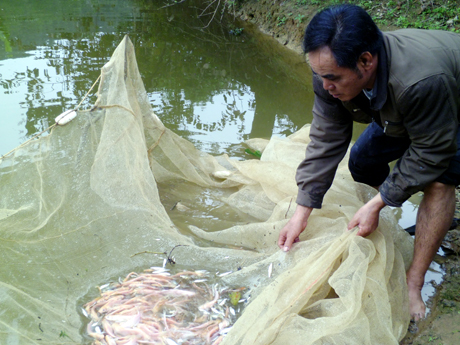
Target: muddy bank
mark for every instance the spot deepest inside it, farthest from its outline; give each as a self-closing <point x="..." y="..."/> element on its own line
<point x="286" y="22"/>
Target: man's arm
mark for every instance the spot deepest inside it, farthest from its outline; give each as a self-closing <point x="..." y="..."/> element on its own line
<point x="330" y="135"/>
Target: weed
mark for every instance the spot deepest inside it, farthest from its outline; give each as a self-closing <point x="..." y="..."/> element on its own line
<point x="63" y="335"/>
<point x="302" y="2"/>
<point x="236" y="31"/>
<point x="254" y="153"/>
<point x="281" y="21"/>
<point x="403" y="22"/>
<point x="404" y="14"/>
<point x="299" y="18"/>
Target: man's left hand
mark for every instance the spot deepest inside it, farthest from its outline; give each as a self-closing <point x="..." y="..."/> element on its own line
<point x="367" y="217"/>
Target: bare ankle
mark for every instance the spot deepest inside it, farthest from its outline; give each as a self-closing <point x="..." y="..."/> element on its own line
<point x="417" y="307"/>
<point x="414" y="280"/>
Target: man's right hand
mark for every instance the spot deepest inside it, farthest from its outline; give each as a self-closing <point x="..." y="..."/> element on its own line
<point x="289" y="234"/>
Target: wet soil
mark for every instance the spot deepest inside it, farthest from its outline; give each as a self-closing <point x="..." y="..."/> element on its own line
<point x="442" y="325"/>
<point x="286" y="23"/>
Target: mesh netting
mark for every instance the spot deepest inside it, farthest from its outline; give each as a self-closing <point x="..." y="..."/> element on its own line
<point x="81" y="207"/>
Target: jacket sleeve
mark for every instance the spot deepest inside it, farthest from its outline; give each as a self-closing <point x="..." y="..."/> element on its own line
<point x="430" y="110"/>
<point x="330" y="135"/>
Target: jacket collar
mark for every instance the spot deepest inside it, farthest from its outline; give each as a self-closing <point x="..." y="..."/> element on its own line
<point x="382" y="80"/>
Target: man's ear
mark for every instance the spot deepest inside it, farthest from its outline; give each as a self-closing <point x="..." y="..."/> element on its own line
<point x="367" y="60"/>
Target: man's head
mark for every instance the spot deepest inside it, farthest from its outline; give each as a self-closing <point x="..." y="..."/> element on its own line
<point x="342" y="44"/>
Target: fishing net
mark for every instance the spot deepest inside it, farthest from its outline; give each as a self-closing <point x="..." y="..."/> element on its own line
<point x="111" y="191"/>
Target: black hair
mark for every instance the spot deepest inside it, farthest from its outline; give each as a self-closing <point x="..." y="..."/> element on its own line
<point x="348" y="30"/>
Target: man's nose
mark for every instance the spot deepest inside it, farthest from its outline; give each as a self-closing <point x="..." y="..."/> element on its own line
<point x="327" y="85"/>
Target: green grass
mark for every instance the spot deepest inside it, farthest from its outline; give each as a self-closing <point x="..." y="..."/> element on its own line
<point x="439" y="15"/>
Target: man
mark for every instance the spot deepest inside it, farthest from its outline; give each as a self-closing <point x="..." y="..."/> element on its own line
<point x="406" y="84"/>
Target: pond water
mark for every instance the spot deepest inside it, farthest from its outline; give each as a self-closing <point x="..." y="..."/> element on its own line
<point x="210" y="86"/>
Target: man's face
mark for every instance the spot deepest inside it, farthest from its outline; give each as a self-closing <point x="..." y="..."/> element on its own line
<point x="341" y="82"/>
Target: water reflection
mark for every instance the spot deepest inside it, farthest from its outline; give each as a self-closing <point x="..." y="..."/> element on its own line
<point x="214" y="88"/>
<point x="214" y="81"/>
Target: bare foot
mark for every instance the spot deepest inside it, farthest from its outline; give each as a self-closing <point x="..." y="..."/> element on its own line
<point x="416" y="306"/>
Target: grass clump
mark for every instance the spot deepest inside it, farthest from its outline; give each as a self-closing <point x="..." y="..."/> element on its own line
<point x="420" y="14"/>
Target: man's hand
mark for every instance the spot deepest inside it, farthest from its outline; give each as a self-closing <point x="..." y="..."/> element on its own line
<point x="367" y="217"/>
<point x="294" y="227"/>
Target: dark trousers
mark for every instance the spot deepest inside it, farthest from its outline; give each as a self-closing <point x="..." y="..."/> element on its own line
<point x="373" y="151"/>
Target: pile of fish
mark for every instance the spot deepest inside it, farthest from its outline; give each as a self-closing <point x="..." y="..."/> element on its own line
<point x="155" y="307"/>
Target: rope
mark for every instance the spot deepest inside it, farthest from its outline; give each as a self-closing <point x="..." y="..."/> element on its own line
<point x="18" y="147"/>
<point x="53" y="125"/>
<point x="94" y="84"/>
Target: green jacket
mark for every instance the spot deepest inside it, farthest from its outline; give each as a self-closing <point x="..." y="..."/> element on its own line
<point x="418" y="95"/>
